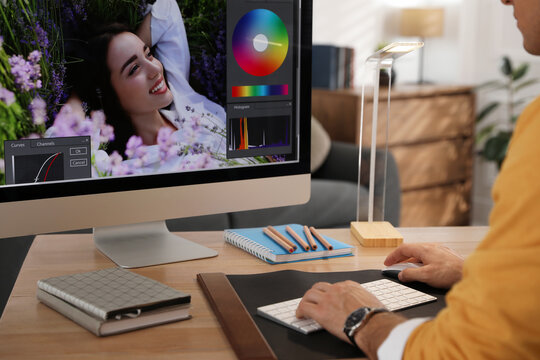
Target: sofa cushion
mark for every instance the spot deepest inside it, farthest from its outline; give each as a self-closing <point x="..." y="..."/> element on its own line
<point x="320" y="144"/>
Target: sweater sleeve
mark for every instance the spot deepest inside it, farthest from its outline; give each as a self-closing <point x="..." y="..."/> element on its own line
<point x="494" y="311"/>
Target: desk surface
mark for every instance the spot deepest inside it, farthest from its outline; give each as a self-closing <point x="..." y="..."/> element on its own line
<point x="29" y="329"/>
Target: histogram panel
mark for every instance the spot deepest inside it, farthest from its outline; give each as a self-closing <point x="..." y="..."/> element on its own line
<point x="259" y="132"/>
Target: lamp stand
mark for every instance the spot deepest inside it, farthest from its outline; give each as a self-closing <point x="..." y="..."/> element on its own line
<point x="421" y="65"/>
<point x="378" y="233"/>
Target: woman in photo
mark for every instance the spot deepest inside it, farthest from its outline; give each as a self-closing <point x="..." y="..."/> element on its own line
<point x="149" y="95"/>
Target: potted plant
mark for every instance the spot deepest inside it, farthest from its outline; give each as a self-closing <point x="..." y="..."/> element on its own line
<point x="493" y="138"/>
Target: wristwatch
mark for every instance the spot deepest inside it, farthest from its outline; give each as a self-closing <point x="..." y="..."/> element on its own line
<point x="358" y="319"/>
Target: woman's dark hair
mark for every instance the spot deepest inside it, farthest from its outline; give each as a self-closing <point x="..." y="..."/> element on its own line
<point x="91" y="79"/>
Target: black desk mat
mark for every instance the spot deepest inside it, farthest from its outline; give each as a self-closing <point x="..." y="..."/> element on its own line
<point x="262" y="289"/>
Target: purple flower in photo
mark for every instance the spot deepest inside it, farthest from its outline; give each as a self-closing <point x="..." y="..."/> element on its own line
<point x="208" y="66"/>
<point x="198" y="161"/>
<point x="42" y="39"/>
<point x="38" y="109"/>
<point x="118" y="166"/>
<point x="34" y="57"/>
<point x="26" y="73"/>
<point x="79" y="7"/>
<point x="106" y="131"/>
<point x="1" y="41"/>
<point x="70" y="123"/>
<point x="135" y="149"/>
<point x="167" y="145"/>
<point x="7" y="96"/>
<point x="164" y="137"/>
<point x="107" y="165"/>
<point x="58" y="94"/>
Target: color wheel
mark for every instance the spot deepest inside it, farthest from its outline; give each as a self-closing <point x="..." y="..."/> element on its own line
<point x="260" y="42"/>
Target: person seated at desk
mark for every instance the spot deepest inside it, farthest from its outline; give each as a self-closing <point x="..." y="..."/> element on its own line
<point x="493" y="307"/>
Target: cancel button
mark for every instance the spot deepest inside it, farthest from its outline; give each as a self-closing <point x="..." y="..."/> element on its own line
<point x="78" y="162"/>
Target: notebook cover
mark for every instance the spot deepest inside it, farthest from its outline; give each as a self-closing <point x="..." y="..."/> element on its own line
<point x="267" y="288"/>
<point x="257" y="243"/>
<point x="109" y="292"/>
<point x="244" y="336"/>
<point x="110" y="327"/>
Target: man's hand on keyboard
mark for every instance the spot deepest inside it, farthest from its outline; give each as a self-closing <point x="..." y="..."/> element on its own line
<point x="330" y="304"/>
<point x="442" y="266"/>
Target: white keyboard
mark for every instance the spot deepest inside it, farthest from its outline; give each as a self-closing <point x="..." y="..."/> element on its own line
<point x="394" y="296"/>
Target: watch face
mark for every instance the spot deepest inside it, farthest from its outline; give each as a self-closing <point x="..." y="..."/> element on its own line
<point x="356" y="317"/>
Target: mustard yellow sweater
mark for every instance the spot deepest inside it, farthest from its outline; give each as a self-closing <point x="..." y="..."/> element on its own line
<point x="494" y="311"/>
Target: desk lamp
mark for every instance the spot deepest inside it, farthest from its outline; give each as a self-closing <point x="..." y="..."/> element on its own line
<point x="422" y="23"/>
<point x="378" y="233"/>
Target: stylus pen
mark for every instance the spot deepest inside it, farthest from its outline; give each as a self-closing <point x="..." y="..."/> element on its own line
<point x="278" y="240"/>
<point x="296" y="237"/>
<point x="320" y="238"/>
<point x="282" y="237"/>
<point x="310" y="238"/>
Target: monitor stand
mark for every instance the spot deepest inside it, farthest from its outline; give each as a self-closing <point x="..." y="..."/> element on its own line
<point x="146" y="244"/>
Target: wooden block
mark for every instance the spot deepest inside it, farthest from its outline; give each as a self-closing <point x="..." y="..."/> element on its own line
<point x="376" y="234"/>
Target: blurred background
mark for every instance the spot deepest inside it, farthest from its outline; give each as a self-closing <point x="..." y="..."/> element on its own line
<point x="467" y="44"/>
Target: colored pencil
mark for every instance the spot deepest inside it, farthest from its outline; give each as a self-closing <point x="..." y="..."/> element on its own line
<point x="282" y="237"/>
<point x="297" y="237"/>
<point x="320" y="238"/>
<point x="278" y="240"/>
<point x="312" y="242"/>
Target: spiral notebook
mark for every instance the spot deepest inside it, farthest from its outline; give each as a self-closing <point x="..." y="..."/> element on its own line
<point x="257" y="243"/>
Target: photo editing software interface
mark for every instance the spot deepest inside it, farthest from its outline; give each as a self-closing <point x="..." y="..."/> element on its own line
<point x="245" y="113"/>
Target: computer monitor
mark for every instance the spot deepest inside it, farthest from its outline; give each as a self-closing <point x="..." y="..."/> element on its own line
<point x="117" y="116"/>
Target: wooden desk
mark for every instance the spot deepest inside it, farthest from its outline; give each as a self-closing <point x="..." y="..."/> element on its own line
<point x="29" y="329"/>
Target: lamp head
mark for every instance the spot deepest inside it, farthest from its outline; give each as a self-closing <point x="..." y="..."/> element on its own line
<point x="395" y="50"/>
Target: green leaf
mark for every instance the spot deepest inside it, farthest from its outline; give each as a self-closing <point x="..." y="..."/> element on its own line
<point x="506" y="66"/>
<point x="487" y="110"/>
<point x="520" y="72"/>
<point x="514" y="119"/>
<point x="482" y="134"/>
<point x="525" y="84"/>
<point x="496" y="147"/>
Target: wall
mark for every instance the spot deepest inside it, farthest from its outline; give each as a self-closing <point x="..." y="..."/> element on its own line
<point x="477" y="34"/>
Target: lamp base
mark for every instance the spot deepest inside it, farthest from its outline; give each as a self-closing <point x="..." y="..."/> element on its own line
<point x="376" y="234"/>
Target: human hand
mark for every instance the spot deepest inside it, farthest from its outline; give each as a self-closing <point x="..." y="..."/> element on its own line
<point x="331" y="304"/>
<point x="442" y="268"/>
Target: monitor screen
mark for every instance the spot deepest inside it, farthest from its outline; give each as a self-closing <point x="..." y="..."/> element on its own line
<point x="107" y="106"/>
